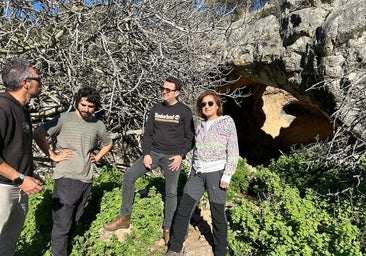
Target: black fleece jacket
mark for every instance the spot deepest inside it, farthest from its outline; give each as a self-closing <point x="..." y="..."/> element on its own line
<point x="169" y="130"/>
<point x="15" y="136"/>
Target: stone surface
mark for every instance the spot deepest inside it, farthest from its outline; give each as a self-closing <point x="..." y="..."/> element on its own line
<point x="121" y="234"/>
<point x="299" y="63"/>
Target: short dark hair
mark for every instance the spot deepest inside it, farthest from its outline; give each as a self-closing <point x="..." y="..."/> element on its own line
<point x="217" y="100"/>
<point x="178" y="83"/>
<point x="90" y="93"/>
<point x="14" y="71"/>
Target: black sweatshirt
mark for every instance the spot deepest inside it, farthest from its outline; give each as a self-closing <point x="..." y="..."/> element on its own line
<point x="169" y="130"/>
<point x="15" y="136"/>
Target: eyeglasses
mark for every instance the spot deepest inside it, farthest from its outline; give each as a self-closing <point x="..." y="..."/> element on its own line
<point x="166" y="89"/>
<point x="209" y="103"/>
<point x="38" y="79"/>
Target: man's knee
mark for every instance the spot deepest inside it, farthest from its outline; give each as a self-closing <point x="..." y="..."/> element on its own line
<point x="171" y="190"/>
<point x="172" y="193"/>
<point x="128" y="175"/>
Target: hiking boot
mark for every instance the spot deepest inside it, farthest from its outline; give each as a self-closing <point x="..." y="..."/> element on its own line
<point x="120" y="222"/>
<point x="166" y="235"/>
<point x="171" y="253"/>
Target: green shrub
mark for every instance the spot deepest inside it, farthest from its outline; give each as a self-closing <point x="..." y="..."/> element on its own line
<point x="297" y="171"/>
<point x="273" y="211"/>
<point x="146" y="222"/>
<point x="281" y="222"/>
<point x="36" y="234"/>
<point x="239" y="182"/>
<point x="103" y="207"/>
<point x="303" y="170"/>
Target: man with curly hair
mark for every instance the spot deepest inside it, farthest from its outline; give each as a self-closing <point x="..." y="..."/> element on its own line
<point x="77" y="134"/>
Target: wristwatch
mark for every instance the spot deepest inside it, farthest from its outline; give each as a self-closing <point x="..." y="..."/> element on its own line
<point x="19" y="181"/>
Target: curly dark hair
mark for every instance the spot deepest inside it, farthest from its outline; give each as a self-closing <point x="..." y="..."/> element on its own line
<point x="90" y="93"/>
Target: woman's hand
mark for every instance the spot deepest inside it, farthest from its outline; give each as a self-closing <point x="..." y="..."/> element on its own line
<point x="224" y="185"/>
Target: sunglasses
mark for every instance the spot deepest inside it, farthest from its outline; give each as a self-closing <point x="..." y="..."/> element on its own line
<point x="166" y="89"/>
<point x="209" y="103"/>
<point x="38" y="79"/>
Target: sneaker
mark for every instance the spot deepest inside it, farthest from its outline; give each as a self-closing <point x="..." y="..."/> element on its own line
<point x="171" y="253"/>
<point x="120" y="222"/>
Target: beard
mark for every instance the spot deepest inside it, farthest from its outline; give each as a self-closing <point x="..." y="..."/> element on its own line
<point x="36" y="92"/>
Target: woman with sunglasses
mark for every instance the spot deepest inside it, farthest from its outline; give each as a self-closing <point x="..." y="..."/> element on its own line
<point x="214" y="161"/>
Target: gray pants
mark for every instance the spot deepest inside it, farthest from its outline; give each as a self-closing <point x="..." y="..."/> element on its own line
<point x="193" y="191"/>
<point x="171" y="183"/>
<point x="13" y="209"/>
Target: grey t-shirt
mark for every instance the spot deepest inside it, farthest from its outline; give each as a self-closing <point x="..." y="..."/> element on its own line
<point x="73" y="132"/>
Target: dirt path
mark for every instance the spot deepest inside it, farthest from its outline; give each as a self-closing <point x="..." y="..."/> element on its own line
<point x="199" y="236"/>
<point x="197" y="243"/>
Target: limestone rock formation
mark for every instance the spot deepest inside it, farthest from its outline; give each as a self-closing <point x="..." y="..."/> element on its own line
<point x="303" y="64"/>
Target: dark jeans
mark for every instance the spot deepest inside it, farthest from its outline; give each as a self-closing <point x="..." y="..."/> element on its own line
<point x="68" y="202"/>
<point x="193" y="191"/>
<point x="171" y="183"/>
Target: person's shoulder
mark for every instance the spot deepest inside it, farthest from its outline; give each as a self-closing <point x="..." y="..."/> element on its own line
<point x="183" y="105"/>
<point x="5" y="97"/>
<point x="157" y="105"/>
<point x="7" y="102"/>
<point x="226" y="119"/>
<point x="4" y="102"/>
<point x="67" y="114"/>
<point x="98" y="121"/>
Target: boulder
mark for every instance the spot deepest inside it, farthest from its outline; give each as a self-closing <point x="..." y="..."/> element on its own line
<point x="302" y="67"/>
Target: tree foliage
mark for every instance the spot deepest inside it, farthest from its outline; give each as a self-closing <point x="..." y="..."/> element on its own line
<point x="123" y="48"/>
<point x="127" y="48"/>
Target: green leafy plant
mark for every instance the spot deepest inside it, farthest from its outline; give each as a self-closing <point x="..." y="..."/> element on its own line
<point x="269" y="213"/>
<point x="279" y="221"/>
<point x="36" y="234"/>
<point x="103" y="207"/>
<point x="239" y="182"/>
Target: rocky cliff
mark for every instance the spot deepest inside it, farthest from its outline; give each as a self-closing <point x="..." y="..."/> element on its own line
<point x="303" y="64"/>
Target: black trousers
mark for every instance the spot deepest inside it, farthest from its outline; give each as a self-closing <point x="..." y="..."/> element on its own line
<point x="68" y="202"/>
<point x="193" y="191"/>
